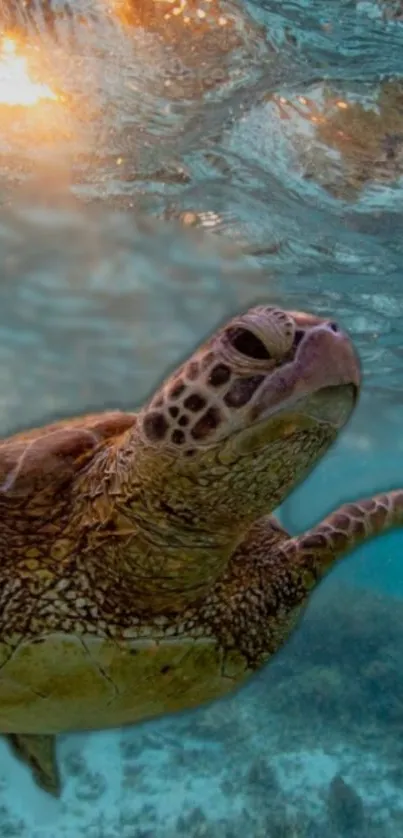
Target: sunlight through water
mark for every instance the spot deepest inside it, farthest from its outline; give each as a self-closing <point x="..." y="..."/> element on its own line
<point x="16" y="84"/>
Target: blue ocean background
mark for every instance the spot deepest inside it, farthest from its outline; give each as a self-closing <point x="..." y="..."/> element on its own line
<point x="186" y="179"/>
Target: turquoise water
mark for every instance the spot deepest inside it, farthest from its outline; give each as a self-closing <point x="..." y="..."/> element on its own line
<point x="281" y="147"/>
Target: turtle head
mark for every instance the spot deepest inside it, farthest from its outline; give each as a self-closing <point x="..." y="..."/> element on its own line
<point x="238" y="425"/>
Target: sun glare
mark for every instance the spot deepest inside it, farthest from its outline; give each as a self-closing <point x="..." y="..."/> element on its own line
<point x="16" y="86"/>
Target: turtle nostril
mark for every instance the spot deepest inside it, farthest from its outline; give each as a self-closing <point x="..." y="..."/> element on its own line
<point x="334" y="327"/>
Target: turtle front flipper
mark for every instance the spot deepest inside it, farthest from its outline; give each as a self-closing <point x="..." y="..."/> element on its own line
<point x="257" y="604"/>
<point x="39" y="753"/>
<point x="315" y="551"/>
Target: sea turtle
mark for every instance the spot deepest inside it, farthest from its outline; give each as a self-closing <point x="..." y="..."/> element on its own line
<point x="141" y="571"/>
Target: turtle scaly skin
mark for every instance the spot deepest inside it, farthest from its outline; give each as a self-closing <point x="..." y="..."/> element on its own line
<point x="141" y="571"/>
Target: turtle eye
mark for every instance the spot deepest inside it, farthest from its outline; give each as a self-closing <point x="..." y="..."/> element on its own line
<point x="247" y="343"/>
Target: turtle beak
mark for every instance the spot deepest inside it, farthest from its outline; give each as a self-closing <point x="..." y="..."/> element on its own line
<point x="325" y="361"/>
<point x="327" y="375"/>
<point x="327" y="358"/>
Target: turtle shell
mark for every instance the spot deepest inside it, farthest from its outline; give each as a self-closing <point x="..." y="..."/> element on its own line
<point x="52" y="455"/>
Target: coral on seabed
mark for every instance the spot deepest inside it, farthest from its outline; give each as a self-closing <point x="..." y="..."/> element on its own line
<point x="345" y="808"/>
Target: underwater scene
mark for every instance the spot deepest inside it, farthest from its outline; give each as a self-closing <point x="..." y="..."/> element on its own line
<point x="166" y="165"/>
